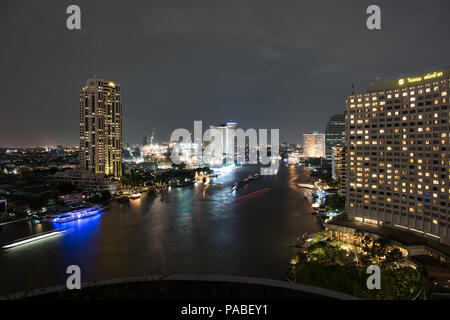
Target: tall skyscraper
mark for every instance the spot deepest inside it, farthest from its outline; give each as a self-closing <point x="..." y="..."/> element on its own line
<point x="398" y="156"/>
<point x="101" y="127"/>
<point x="226" y="132"/>
<point x="314" y="145"/>
<point x="334" y="134"/>
<point x="146" y="141"/>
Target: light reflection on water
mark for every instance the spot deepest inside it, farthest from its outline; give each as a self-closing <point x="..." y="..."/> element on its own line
<point x="194" y="230"/>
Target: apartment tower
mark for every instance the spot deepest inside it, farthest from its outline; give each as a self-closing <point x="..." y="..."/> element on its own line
<point x="101" y="127"/>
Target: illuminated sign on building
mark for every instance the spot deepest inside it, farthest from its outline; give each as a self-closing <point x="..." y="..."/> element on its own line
<point x="410" y="81"/>
<point x="428" y="76"/>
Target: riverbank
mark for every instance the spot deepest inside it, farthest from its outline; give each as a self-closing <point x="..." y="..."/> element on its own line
<point x="199" y="229"/>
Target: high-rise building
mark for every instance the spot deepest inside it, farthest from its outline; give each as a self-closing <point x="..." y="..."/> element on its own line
<point x="314" y="145"/>
<point x="101" y="127"/>
<point x="398" y="156"/>
<point x="146" y="141"/>
<point x="226" y="132"/>
<point x="334" y="134"/>
<point x="338" y="167"/>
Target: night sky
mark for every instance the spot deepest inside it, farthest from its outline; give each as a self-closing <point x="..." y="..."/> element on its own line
<point x="264" y="64"/>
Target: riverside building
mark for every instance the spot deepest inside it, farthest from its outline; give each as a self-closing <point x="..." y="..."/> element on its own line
<point x="398" y="157"/>
<point x="314" y="145"/>
<point x="101" y="127"/>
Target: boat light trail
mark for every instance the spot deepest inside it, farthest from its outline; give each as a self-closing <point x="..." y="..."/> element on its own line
<point x="246" y="196"/>
<point x="31" y="239"/>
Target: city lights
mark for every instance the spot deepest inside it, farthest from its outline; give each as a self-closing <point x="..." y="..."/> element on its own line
<point x="191" y="153"/>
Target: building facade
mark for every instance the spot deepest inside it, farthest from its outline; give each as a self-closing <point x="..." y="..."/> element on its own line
<point x="338" y="167"/>
<point x="87" y="180"/>
<point x="101" y="127"/>
<point x="146" y="141"/>
<point x="334" y="134"/>
<point x="398" y="165"/>
<point x="226" y="147"/>
<point x="314" y="145"/>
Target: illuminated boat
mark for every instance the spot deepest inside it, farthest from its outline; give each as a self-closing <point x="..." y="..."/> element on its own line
<point x="236" y="185"/>
<point x="247" y="180"/>
<point x="135" y="196"/>
<point x="75" y="215"/>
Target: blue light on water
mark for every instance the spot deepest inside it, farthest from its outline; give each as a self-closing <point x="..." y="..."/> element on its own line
<point x="76" y="215"/>
<point x="86" y="221"/>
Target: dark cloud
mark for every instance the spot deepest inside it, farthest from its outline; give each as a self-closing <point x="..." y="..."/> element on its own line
<point x="265" y="64"/>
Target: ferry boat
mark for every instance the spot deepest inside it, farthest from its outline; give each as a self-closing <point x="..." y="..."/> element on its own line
<point x="247" y="180"/>
<point x="75" y="215"/>
<point x="123" y="199"/>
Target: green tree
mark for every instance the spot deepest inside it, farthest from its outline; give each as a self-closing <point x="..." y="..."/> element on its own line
<point x="393" y="259"/>
<point x="180" y="166"/>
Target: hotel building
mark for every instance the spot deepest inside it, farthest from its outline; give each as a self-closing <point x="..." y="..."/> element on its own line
<point x="398" y="157"/>
<point x="101" y="127"/>
<point x="314" y="145"/>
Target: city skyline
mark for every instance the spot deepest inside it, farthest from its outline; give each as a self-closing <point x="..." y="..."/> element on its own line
<point x="147" y="148"/>
<point x="250" y="66"/>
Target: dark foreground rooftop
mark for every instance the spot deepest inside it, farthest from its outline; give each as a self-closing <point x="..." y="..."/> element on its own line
<point x="182" y="287"/>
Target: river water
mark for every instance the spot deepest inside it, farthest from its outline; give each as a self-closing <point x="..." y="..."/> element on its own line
<point x="200" y="229"/>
